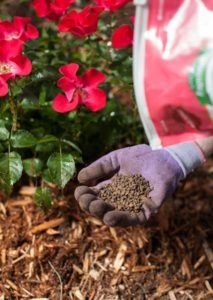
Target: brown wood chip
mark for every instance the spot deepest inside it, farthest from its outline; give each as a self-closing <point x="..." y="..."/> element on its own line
<point x="27" y="190"/>
<point x="138" y="269"/>
<point x="47" y="225"/>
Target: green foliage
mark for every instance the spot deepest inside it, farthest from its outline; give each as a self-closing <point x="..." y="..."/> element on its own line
<point x="4" y="133"/>
<point x="22" y="139"/>
<point x="61" y="168"/>
<point x="43" y="198"/>
<point x="33" y="167"/>
<point x="10" y="169"/>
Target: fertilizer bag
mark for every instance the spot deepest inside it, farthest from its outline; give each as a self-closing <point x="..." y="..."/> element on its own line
<point x="173" y="69"/>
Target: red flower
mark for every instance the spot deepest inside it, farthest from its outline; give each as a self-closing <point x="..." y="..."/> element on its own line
<point x="122" y="37"/>
<point x="79" y="90"/>
<point x="19" y="28"/>
<point x="12" y="63"/>
<point x="81" y="23"/>
<point x="3" y="87"/>
<point x="51" y="9"/>
<point x="112" y="5"/>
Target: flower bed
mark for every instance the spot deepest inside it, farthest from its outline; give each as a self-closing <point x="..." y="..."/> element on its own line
<point x="63" y="80"/>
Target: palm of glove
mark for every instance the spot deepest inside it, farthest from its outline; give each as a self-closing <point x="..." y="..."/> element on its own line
<point x="157" y="166"/>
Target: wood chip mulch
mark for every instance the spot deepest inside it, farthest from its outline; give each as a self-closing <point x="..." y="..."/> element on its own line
<point x="66" y="254"/>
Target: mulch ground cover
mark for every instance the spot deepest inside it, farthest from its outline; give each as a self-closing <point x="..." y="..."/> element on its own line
<point x="66" y="254"/>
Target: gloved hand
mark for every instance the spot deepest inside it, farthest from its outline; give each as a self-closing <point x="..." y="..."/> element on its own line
<point x="163" y="169"/>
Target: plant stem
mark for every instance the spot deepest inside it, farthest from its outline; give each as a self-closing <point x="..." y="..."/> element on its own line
<point x="13" y="109"/>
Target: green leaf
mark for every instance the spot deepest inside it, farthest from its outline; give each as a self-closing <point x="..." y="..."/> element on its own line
<point x="42" y="96"/>
<point x="5" y="186"/>
<point x="43" y="198"/>
<point x="47" y="139"/>
<point x="46" y="144"/>
<point x="61" y="168"/>
<point x="10" y="169"/>
<point x="4" y="133"/>
<point x="47" y="176"/>
<point x="71" y="144"/>
<point x="23" y="139"/>
<point x="45" y="148"/>
<point x="33" y="166"/>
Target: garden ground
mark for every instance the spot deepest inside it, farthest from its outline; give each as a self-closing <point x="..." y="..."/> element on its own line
<point x="66" y="254"/>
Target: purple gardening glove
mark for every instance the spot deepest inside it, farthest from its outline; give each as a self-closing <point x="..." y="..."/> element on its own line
<point x="163" y="169"/>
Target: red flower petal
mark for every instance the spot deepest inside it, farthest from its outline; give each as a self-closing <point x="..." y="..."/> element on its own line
<point x="112" y="5"/>
<point x="6" y="28"/>
<point x="78" y="31"/>
<point x="60" y="6"/>
<point x="3" y="87"/>
<point x="19" y="24"/>
<point x="63" y="3"/>
<point x="21" y="65"/>
<point x="122" y="37"/>
<point x="10" y="49"/>
<point x="62" y="105"/>
<point x="69" y="70"/>
<point x="81" y="23"/>
<point x="88" y="12"/>
<point x="67" y="21"/>
<point x="19" y="28"/>
<point x="41" y="7"/>
<point x="31" y="32"/>
<point x="96" y="99"/>
<point x="67" y="86"/>
<point x="93" y="78"/>
<point x="51" y="9"/>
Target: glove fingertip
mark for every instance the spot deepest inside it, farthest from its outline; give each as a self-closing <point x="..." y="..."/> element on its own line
<point x="85" y="201"/>
<point x="82" y="176"/>
<point x="109" y="220"/>
<point x="81" y="190"/>
<point x="99" y="208"/>
<point x="121" y="219"/>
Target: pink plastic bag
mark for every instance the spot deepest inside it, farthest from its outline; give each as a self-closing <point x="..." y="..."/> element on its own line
<point x="173" y="69"/>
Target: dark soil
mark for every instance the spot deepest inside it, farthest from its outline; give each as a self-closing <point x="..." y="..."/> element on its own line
<point x="127" y="192"/>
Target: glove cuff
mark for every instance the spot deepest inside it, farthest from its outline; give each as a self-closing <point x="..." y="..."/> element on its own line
<point x="188" y="155"/>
